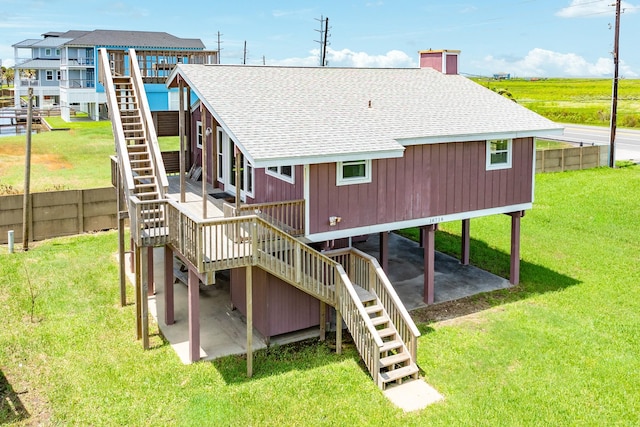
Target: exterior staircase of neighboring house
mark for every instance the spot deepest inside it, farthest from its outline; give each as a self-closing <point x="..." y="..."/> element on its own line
<point x="348" y="280"/>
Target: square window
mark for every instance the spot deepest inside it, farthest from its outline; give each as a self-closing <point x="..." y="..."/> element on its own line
<point x="499" y="154"/>
<point x="353" y="172"/>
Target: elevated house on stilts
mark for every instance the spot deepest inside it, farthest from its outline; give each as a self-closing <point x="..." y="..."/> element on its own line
<point x="309" y="159"/>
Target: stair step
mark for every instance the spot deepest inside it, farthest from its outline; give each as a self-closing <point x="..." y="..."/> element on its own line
<point x="379" y="320"/>
<point x="138" y="161"/>
<point x="151" y="194"/>
<point x="394" y="359"/>
<point x="143" y="177"/>
<point x="370" y="309"/>
<point x="398" y="374"/>
<point x="390" y="345"/>
<point x="145" y="185"/>
<point x="386" y="332"/>
<point x="142" y="169"/>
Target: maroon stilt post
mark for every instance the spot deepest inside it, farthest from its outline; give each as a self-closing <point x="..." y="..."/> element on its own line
<point x="429" y="262"/>
<point x="194" y="316"/>
<point x="384" y="251"/>
<point x="514" y="276"/>
<point x="169" y="318"/>
<point x="151" y="289"/>
<point x="464" y="250"/>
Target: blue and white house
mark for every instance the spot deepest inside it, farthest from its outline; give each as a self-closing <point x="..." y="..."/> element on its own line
<point x="62" y="67"/>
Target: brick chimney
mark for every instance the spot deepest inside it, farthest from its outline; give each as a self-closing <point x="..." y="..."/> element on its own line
<point x="445" y="60"/>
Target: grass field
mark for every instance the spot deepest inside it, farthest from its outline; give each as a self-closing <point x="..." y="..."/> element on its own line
<point x="581" y="101"/>
<point x="562" y="348"/>
<point x="63" y="159"/>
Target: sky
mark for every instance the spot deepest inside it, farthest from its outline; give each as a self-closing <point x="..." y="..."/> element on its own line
<point x="526" y="38"/>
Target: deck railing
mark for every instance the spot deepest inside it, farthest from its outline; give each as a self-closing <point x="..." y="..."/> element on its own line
<point x="287" y="215"/>
<point x="365" y="271"/>
<point x="148" y="221"/>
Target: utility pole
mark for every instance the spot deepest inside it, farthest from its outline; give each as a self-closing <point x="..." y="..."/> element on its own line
<point x="324" y="36"/>
<point x="244" y="57"/>
<point x="614" y="95"/>
<point x="26" y="201"/>
<point x="219" y="48"/>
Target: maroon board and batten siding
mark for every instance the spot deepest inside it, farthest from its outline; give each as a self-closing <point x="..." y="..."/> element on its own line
<point x="268" y="188"/>
<point x="278" y="307"/>
<point x="428" y="181"/>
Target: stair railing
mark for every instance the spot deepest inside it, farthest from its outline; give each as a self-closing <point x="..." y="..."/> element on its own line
<point x="365" y="271"/>
<point x="152" y="138"/>
<point x="116" y="124"/>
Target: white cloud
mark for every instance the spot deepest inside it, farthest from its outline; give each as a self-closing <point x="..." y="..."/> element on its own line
<point x="349" y="58"/>
<point x="545" y="63"/>
<point x="583" y="8"/>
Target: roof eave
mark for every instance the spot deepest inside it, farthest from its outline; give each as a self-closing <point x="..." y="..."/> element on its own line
<point x="441" y="139"/>
<point x="327" y="158"/>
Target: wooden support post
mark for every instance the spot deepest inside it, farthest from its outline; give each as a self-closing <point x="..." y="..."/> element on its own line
<point x="514" y="276"/>
<point x="132" y="264"/>
<point x="144" y="298"/>
<point x="323" y="321"/>
<point x="194" y="315"/>
<point x="136" y="259"/>
<point x="182" y="140"/>
<point x="151" y="288"/>
<point x="169" y="316"/>
<point x="384" y="251"/>
<point x="205" y="196"/>
<point x="121" y="248"/>
<point x="249" y="308"/>
<point x="338" y="332"/>
<point x="429" y="263"/>
<point x="465" y="244"/>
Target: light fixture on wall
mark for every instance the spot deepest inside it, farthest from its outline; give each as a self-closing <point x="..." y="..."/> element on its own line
<point x="334" y="220"/>
<point x="208" y="131"/>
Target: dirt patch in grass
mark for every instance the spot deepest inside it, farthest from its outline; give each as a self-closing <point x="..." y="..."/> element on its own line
<point x="13" y="156"/>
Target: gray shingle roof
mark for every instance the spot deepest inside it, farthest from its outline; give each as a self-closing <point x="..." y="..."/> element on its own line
<point x="140" y="39"/>
<point x="309" y="115"/>
<point x="50" y="64"/>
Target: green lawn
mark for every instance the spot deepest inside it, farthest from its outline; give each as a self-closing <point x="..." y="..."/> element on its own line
<point x="63" y="159"/>
<point x="562" y="348"/>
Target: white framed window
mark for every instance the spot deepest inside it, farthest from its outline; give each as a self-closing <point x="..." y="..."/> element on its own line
<point x="58" y="75"/>
<point x="49" y="75"/>
<point x="47" y="52"/>
<point x="499" y="154"/>
<point x="353" y="172"/>
<point x="220" y="154"/>
<point x="199" y="134"/>
<point x="285" y="173"/>
<point x="57" y="52"/>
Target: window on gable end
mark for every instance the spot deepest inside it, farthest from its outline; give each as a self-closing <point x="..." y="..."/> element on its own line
<point x="285" y="173"/>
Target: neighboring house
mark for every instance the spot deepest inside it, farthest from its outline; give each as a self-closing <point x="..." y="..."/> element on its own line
<point x="61" y="67"/>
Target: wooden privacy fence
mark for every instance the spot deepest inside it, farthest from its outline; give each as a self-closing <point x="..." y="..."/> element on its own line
<point x="574" y="158"/>
<point x="60" y="213"/>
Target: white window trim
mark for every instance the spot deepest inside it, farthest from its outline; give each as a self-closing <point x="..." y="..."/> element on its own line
<point x="199" y="134"/>
<point x="47" y="51"/>
<point x="278" y="174"/>
<point x="498" y="166"/>
<point x="220" y="138"/>
<point x="340" y="180"/>
<point x="46" y="75"/>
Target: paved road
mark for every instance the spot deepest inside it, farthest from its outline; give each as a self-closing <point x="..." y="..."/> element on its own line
<point x="627" y="141"/>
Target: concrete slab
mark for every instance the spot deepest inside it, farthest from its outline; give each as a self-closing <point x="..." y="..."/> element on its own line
<point x="406" y="272"/>
<point x="412" y="395"/>
<point x="223" y="331"/>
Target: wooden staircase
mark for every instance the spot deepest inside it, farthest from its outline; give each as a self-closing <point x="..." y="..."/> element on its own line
<point x="396" y="363"/>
